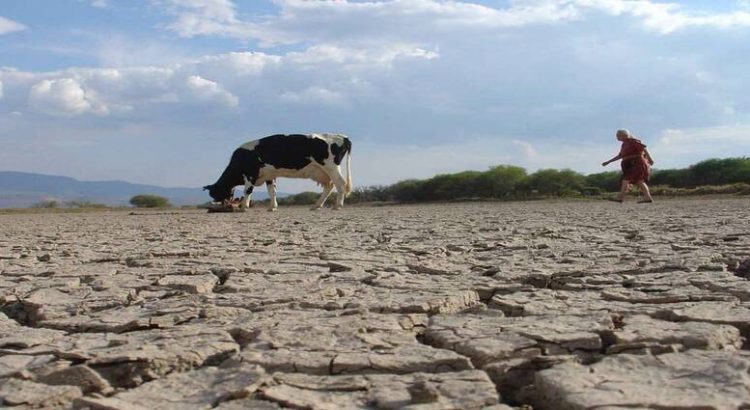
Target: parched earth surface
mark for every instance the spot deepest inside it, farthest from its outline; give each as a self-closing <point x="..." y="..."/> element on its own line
<point x="544" y="305"/>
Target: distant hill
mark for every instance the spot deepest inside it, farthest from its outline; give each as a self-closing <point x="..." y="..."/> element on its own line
<point x="23" y="189"/>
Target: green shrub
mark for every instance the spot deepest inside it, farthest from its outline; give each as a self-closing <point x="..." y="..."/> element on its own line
<point x="46" y="204"/>
<point x="84" y="205"/>
<point x="553" y="182"/>
<point x="303" y="198"/>
<point x="149" y="201"/>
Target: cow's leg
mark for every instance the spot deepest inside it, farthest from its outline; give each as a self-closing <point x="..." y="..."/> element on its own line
<point x="248" y="191"/>
<point x="272" y="204"/>
<point x="340" y="184"/>
<point x="246" y="201"/>
<point x="327" y="188"/>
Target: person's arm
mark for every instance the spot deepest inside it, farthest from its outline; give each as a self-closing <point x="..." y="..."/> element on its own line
<point x="648" y="157"/>
<point x="605" y="163"/>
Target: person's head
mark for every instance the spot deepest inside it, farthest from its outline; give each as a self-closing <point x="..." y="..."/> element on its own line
<point x="622" y="135"/>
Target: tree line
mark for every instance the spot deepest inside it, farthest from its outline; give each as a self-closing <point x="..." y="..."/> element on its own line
<point x="138" y="201"/>
<point x="508" y="182"/>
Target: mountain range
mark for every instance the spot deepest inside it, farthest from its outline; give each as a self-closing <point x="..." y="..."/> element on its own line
<point x="24" y="189"/>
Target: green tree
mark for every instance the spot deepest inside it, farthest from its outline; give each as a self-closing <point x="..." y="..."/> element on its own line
<point x="719" y="172"/>
<point x="555" y="182"/>
<point x="604" y="181"/>
<point x="149" y="201"/>
<point x="406" y="191"/>
<point x="677" y="178"/>
<point x="502" y="181"/>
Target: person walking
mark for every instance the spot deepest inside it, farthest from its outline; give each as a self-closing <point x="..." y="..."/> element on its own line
<point x="636" y="165"/>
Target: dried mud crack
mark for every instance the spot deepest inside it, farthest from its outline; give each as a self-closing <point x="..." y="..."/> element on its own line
<point x="464" y="306"/>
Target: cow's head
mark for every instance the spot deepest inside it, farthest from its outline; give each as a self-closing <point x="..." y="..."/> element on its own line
<point x="218" y="192"/>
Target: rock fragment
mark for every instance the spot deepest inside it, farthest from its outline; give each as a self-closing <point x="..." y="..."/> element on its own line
<point x="190" y="283"/>
<point x="641" y="333"/>
<point x="693" y="379"/>
<point x="15" y="392"/>
<point x="465" y="390"/>
<point x="158" y="313"/>
<point x="196" y="390"/>
<point x="81" y="376"/>
<point x="364" y="343"/>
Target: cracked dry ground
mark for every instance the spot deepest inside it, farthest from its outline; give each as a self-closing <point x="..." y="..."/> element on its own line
<point x="564" y="305"/>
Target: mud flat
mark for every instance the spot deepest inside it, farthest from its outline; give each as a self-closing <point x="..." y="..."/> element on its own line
<point x="550" y="305"/>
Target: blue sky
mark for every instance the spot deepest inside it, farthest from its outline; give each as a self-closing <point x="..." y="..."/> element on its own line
<point x="161" y="91"/>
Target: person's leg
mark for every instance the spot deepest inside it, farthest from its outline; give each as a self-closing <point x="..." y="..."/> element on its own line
<point x="645" y="191"/>
<point x="624" y="187"/>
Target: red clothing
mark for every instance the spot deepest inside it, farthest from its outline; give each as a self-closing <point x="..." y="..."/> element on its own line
<point x="636" y="169"/>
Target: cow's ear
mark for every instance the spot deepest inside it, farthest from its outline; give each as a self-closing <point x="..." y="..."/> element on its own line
<point x="207" y="187"/>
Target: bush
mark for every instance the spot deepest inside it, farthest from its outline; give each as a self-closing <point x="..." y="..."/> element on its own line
<point x="303" y="198"/>
<point x="47" y="204"/>
<point x="376" y="193"/>
<point x="604" y="181"/>
<point x="149" y="201"/>
<point x="502" y="181"/>
<point x="553" y="182"/>
<point x="84" y="205"/>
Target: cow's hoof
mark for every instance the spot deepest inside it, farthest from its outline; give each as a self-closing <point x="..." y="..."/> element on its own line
<point x="336" y="208"/>
<point x="271" y="209"/>
<point x="316" y="208"/>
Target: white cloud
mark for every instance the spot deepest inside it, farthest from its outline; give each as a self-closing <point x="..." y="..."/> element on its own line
<point x="206" y="17"/>
<point x="527" y="149"/>
<point x="314" y="95"/>
<point x="1" y="90"/>
<point x="321" y="74"/>
<point x="207" y="90"/>
<point x="9" y="26"/>
<point x="99" y="4"/>
<point x="352" y="57"/>
<point x="355" y="22"/>
<point x="240" y="63"/>
<point x="682" y="147"/>
<point x="695" y="137"/>
<point x="63" y="97"/>
<point x="668" y="17"/>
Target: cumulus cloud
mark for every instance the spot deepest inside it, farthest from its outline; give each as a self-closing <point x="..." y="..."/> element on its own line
<point x="696" y="137"/>
<point x="314" y="95"/>
<point x="325" y="74"/>
<point x="527" y="149"/>
<point x="99" y="4"/>
<point x="206" y="17"/>
<point x="685" y="146"/>
<point x="63" y="97"/>
<point x="668" y="17"/>
<point x="9" y="26"/>
<point x="351" y="57"/>
<point x="240" y="63"/>
<point x="207" y="90"/>
<point x="355" y="22"/>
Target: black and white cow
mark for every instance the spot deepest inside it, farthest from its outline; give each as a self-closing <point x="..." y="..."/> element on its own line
<point x="314" y="156"/>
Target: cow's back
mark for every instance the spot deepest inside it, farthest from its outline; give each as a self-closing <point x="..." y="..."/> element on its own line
<point x="290" y="151"/>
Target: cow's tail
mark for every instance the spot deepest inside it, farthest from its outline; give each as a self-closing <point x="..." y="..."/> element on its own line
<point x="348" y="149"/>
